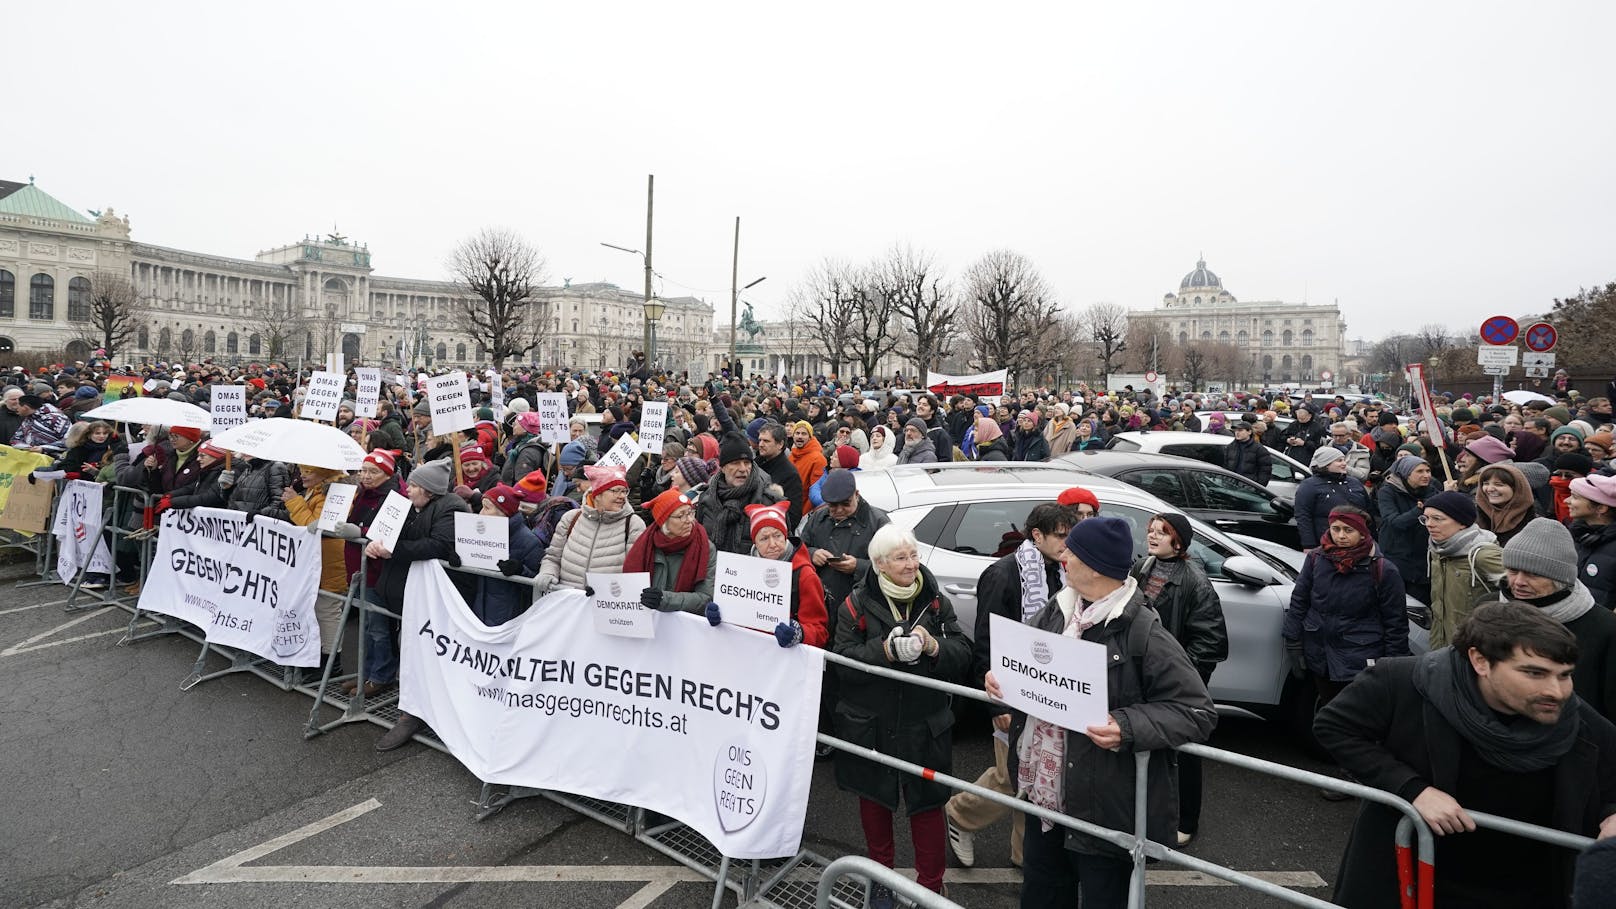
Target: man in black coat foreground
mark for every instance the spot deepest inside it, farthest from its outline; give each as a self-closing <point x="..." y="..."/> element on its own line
<point x="1489" y="724"/>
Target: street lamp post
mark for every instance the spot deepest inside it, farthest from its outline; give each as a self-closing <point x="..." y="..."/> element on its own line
<point x="735" y="291"/>
<point x="654" y="308"/>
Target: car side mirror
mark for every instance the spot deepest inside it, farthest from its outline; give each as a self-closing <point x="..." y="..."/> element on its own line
<point x="1418" y="613"/>
<point x="1250" y="571"/>
<point x="1284" y="507"/>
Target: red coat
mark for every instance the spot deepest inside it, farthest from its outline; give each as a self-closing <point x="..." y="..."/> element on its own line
<point x="809" y="605"/>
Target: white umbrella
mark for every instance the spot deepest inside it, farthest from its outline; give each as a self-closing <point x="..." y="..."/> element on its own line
<point x="158" y="411"/>
<point x="295" y="442"/>
<point x="1523" y="397"/>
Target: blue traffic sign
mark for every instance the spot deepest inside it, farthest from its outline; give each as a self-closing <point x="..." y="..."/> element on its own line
<point x="1500" y="330"/>
<point x="1541" y="337"/>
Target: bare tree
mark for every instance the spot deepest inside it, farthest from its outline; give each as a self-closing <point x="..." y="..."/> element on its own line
<point x="1108" y="326"/>
<point x="1009" y="312"/>
<point x="116" y="310"/>
<point x="501" y="273"/>
<point x="823" y="303"/>
<point x="1146" y="343"/>
<point x="1432" y="339"/>
<point x="281" y="326"/>
<point x="1195" y="367"/>
<point x="925" y="305"/>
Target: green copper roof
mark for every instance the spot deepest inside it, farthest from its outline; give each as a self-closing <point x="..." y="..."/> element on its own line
<point x="30" y="201"/>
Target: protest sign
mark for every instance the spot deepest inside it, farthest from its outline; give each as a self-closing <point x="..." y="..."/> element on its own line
<point x="547" y="702"/>
<point x="334" y="362"/>
<point x="16" y="464"/>
<point x="616" y="604"/>
<point x="624" y="453"/>
<point x="653" y="426"/>
<point x="753" y="592"/>
<point x="1049" y="676"/>
<point x="369" y="392"/>
<point x="338" y="502"/>
<point x="988" y="386"/>
<point x="552" y="408"/>
<point x="496" y="394"/>
<point x="389" y="520"/>
<point x="228" y="408"/>
<point x="117" y="385"/>
<point x="450" y="401"/>
<point x="322" y="398"/>
<point x="78" y="531"/>
<point x="249" y="582"/>
<point x="28" y="507"/>
<point x="482" y="541"/>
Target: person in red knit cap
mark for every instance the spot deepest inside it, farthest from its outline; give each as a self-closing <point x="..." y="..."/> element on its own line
<point x="771" y="540"/>
<point x="675" y="551"/>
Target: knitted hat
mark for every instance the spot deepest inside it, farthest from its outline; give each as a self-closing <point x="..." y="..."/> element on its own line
<point x="1352" y="519"/>
<point x="734" y="447"/>
<point x="86" y="391"/>
<point x="604" y="478"/>
<point x="422" y="408"/>
<point x="519" y="405"/>
<point x="384" y="460"/>
<point x="1076" y="496"/>
<point x="1558" y="412"/>
<point x="530" y="422"/>
<point x="1543" y="547"/>
<point x="1572" y="431"/>
<point x="802" y="424"/>
<point x="1386" y="418"/>
<point x="1414" y="447"/>
<point x="768" y="516"/>
<point x="755" y="429"/>
<point x="506" y="499"/>
<point x="214" y="451"/>
<point x="1598" y="488"/>
<point x="1489" y="449"/>
<point x="533" y="487"/>
<point x="694" y="470"/>
<point x="1602" y="439"/>
<point x="1325" y="456"/>
<point x="1456" y="505"/>
<point x="468" y="455"/>
<point x="1179" y="527"/>
<point x="572" y="454"/>
<point x="1104" y="544"/>
<point x="919" y="425"/>
<point x="839" y="486"/>
<point x="666" y="504"/>
<point x="847" y="457"/>
<point x="1574" y="461"/>
<point x="433" y="476"/>
<point x="1402" y="467"/>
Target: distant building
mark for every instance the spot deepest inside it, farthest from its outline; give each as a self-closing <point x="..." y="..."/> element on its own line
<point x="1286" y="342"/>
<point x="205" y="306"/>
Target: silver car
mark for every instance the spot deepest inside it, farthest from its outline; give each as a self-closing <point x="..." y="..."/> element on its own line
<point x="968" y="515"/>
<point x="1285" y="474"/>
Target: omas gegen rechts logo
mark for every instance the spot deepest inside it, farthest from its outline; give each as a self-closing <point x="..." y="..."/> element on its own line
<point x="1041" y="654"/>
<point x="616" y="589"/>
<point x="771" y="577"/>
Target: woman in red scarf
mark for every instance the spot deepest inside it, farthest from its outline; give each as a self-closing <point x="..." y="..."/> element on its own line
<point x="677" y="554"/>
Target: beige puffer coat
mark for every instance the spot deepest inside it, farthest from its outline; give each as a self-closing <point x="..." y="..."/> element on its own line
<point x="588" y="539"/>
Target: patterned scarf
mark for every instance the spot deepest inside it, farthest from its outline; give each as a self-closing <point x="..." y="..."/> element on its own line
<point x="1034" y="583"/>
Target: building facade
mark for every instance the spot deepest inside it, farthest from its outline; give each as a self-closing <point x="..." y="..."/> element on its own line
<point x="1283" y="342"/>
<point x="295" y="302"/>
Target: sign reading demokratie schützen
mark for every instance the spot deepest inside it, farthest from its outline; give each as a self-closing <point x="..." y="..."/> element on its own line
<point x="1049" y="676"/>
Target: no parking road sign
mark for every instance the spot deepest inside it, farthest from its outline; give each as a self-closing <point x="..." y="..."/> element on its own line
<point x="1500" y="330"/>
<point x="1541" y="337"/>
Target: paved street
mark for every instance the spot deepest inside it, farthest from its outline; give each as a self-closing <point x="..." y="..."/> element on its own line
<point x="123" y="791"/>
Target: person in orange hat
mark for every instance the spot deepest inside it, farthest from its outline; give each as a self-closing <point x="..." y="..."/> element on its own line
<point x="676" y="553"/>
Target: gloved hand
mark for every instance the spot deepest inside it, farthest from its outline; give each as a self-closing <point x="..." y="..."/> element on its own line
<point x="543" y="584"/>
<point x="589" y="591"/>
<point x="928" y="644"/>
<point x="32" y="480"/>
<point x="510" y="567"/>
<point x="789" y="634"/>
<point x="905" y="648"/>
<point x="164" y="504"/>
<point x="714" y="616"/>
<point x="1293" y="650"/>
<point x="227" y="479"/>
<point x="347" y="530"/>
<point x="652" y="598"/>
<point x="464" y="491"/>
<point x="453" y="558"/>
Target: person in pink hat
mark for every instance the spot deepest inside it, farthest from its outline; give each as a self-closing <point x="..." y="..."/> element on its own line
<point x="526" y="452"/>
<point x="595" y="537"/>
<point x="1592" y="504"/>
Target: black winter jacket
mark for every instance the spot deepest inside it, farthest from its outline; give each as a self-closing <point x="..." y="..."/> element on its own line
<point x="850" y="537"/>
<point x="1190" y="610"/>
<point x="1402" y="537"/>
<point x="1251" y="460"/>
<point x="904" y="721"/>
<point x="1316" y="495"/>
<point x="781" y="472"/>
<point x="998" y="592"/>
<point x="1159" y="701"/>
<point x="1343" y="620"/>
<point x="1596" y="560"/>
<point x="721" y="510"/>
<point x="1387" y="735"/>
<point x="428" y="533"/>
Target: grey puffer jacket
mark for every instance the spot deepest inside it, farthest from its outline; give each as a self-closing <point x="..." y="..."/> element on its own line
<point x="588" y="539"/>
<point x="257" y="488"/>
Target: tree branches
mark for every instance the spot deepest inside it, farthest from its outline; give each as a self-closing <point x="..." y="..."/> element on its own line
<point x="1009" y="313"/>
<point x="500" y="273"/>
<point x="116" y="310"/>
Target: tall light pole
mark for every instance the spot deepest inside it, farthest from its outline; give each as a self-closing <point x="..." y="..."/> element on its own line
<point x="735" y="291"/>
<point x="650" y="330"/>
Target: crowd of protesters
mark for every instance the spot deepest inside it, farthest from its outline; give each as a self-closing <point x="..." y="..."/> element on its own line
<point x="1476" y="503"/>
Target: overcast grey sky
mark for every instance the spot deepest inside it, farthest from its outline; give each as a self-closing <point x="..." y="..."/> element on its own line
<point x="1415" y="161"/>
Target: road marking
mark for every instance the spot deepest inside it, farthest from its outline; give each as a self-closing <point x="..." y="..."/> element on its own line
<point x="23" y="646"/>
<point x="26" y="608"/>
<point x="658" y="878"/>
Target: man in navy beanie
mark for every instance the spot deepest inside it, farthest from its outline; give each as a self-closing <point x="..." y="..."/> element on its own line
<point x="1157" y="703"/>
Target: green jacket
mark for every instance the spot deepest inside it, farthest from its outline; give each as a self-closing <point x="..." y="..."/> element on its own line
<point x="1458" y="584"/>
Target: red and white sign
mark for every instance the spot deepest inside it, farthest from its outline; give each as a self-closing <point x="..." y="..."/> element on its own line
<point x="1541" y="337"/>
<point x="1326" y="375"/>
<point x="1151" y="377"/>
<point x="985" y="385"/>
<point x="1422" y="398"/>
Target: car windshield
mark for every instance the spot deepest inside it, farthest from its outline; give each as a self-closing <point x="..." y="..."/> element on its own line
<point x="1120" y="444"/>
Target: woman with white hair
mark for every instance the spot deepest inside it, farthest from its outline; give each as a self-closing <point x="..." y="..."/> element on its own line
<point x="898" y="618"/>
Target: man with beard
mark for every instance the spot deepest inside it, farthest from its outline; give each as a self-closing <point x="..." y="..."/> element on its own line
<point x="721" y="510"/>
<point x="807" y="457"/>
<point x="773" y="457"/>
<point x="1490" y="724"/>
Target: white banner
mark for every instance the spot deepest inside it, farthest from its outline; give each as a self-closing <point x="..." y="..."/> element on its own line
<point x="389" y="520"/>
<point x="1050" y="676"/>
<point x="250" y="583"/>
<point x="985" y="385"/>
<point x="753" y="592"/>
<point x="228" y="408"/>
<point x="450" y="400"/>
<point x="653" y="426"/>
<point x="481" y="541"/>
<point x="496" y="394"/>
<point x="370" y="391"/>
<point x="322" y="398"/>
<point x="712" y="726"/>
<point x="552" y="408"/>
<point x="338" y="502"/>
<point x="78" y="531"/>
<point x="624" y="453"/>
<point x="1422" y="399"/>
<point x="616" y="604"/>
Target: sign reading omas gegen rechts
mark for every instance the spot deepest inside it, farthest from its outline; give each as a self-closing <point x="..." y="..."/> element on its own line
<point x="449" y="398"/>
<point x="322" y="398"/>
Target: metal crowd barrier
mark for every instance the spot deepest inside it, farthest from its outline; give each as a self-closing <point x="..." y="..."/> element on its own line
<point x="876" y="873"/>
<point x="41" y="545"/>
